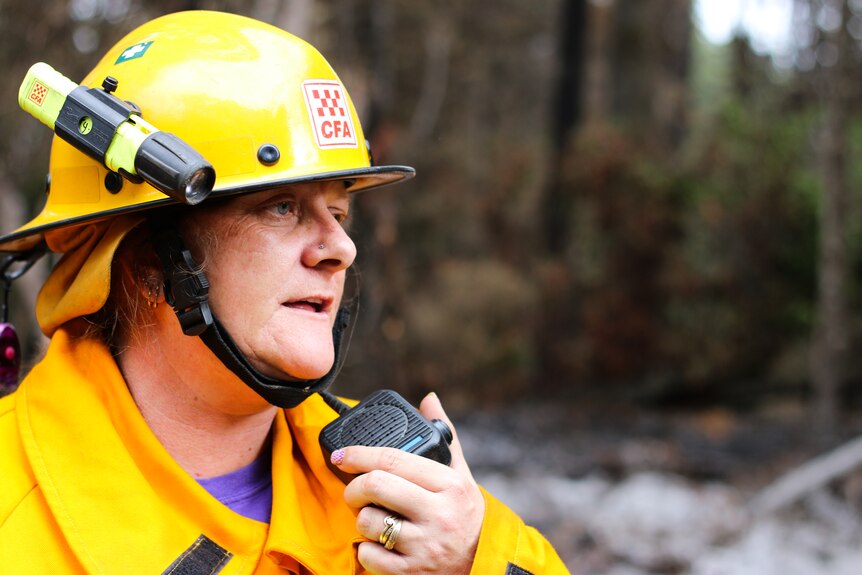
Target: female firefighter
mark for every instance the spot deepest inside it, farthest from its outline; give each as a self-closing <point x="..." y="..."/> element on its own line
<point x="172" y="426"/>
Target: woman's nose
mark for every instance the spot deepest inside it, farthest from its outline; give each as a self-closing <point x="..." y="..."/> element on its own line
<point x="331" y="247"/>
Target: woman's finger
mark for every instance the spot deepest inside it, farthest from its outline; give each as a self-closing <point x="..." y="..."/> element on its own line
<point x="358" y="459"/>
<point x="373" y="522"/>
<point x="389" y="491"/>
<point x="431" y="408"/>
<point x="379" y="561"/>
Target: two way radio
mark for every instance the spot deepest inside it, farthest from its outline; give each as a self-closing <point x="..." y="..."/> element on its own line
<point x="385" y="419"/>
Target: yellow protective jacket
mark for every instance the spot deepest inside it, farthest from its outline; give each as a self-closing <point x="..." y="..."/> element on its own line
<point x="85" y="487"/>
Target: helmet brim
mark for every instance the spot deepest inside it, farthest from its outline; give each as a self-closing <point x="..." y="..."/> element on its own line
<point x="360" y="179"/>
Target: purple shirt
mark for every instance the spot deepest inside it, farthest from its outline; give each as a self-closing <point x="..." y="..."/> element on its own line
<point x="246" y="491"/>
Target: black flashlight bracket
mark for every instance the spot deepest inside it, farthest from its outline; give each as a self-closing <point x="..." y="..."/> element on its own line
<point x="90" y="117"/>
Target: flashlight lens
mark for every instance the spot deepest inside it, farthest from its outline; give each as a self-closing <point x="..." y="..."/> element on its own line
<point x="198" y="186"/>
<point x="172" y="166"/>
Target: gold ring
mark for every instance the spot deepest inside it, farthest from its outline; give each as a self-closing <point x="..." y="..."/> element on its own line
<point x="389" y="521"/>
<point x="389" y="537"/>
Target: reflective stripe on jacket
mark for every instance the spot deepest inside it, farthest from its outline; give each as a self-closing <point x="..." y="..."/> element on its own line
<point x="86" y="488"/>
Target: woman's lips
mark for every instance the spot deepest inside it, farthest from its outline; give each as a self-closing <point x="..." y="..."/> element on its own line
<point x="311" y="304"/>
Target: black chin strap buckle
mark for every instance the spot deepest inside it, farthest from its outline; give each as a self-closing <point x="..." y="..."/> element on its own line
<point x="186" y="285"/>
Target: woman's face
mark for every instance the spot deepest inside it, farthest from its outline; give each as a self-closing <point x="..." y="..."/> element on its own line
<point x="276" y="263"/>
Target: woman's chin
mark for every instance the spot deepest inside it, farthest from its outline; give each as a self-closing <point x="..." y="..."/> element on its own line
<point x="307" y="369"/>
<point x="306" y="373"/>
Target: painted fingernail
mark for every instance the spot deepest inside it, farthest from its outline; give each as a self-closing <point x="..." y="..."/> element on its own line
<point x="337" y="457"/>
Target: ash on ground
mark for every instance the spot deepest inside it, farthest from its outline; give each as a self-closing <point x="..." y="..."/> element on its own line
<point x="647" y="494"/>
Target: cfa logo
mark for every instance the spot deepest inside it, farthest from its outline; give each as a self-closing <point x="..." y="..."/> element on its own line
<point x="335" y="129"/>
<point x="329" y="113"/>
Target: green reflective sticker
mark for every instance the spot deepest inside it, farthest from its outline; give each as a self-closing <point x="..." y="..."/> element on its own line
<point x="134" y="51"/>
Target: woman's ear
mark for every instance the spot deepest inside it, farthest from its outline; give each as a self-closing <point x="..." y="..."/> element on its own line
<point x="136" y="290"/>
<point x="151" y="287"/>
<point x="141" y="274"/>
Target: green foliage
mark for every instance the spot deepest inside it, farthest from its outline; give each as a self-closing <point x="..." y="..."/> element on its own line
<point x="752" y="239"/>
<point x="693" y="272"/>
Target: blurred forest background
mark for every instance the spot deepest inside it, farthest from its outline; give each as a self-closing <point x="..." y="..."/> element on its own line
<point x="612" y="216"/>
<point x="607" y="206"/>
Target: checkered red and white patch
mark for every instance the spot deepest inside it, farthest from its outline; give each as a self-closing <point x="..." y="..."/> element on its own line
<point x="38" y="93"/>
<point x="329" y="114"/>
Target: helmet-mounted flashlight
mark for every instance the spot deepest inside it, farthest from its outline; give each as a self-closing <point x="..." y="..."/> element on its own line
<point x="113" y="132"/>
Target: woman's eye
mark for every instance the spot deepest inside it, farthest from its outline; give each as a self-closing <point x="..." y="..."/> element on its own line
<point x="284" y="208"/>
<point x="342" y="218"/>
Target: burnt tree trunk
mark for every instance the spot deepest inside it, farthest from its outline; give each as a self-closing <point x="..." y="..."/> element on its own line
<point x="830" y="343"/>
<point x="651" y="64"/>
<point x="566" y="113"/>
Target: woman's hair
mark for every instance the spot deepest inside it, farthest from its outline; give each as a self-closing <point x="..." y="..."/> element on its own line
<point x="125" y="313"/>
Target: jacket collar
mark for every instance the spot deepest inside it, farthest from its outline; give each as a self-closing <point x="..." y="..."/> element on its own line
<point x="123" y="504"/>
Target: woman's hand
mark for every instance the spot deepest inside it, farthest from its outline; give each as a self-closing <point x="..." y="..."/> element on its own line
<point x="441" y="507"/>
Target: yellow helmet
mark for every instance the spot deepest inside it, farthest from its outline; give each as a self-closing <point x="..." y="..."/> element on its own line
<point x="263" y="106"/>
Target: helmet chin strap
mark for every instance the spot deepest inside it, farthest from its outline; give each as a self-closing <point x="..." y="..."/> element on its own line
<point x="186" y="291"/>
